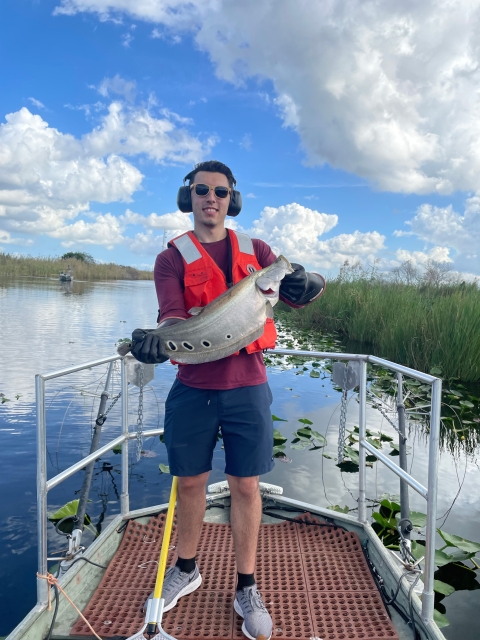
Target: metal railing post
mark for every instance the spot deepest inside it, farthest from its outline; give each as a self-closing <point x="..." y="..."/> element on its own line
<point x="42" y="586"/>
<point x="362" y="454"/>
<point x="124" y="497"/>
<point x="87" y="478"/>
<point x="402" y="449"/>
<point x="433" y="449"/>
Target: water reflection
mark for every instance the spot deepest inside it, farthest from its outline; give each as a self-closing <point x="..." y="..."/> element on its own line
<point x="48" y="326"/>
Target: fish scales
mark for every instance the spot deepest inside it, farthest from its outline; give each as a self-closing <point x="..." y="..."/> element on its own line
<point x="229" y="323"/>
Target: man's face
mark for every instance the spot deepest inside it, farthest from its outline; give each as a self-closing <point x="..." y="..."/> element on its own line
<point x="209" y="210"/>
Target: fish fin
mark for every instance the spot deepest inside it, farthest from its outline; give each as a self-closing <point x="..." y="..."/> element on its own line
<point x="194" y="311"/>
<point x="269" y="310"/>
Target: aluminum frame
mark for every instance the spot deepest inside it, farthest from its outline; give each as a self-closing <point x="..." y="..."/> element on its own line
<point x="429" y="493"/>
<point x="44" y="485"/>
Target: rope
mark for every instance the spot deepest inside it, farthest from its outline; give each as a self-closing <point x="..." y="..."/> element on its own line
<point x="53" y="582"/>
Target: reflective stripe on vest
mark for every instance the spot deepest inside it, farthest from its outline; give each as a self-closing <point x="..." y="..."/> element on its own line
<point x="187" y="248"/>
<point x="245" y="243"/>
<point x="190" y="253"/>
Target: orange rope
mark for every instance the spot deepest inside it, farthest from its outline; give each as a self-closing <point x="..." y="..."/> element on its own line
<point x="53" y="581"/>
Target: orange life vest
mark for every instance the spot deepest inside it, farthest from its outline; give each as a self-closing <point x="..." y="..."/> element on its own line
<point x="204" y="280"/>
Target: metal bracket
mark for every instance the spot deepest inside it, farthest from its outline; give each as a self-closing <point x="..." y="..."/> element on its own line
<point x="134" y="368"/>
<point x="352" y="378"/>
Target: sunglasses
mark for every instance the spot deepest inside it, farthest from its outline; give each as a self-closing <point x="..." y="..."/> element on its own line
<point x="204" y="189"/>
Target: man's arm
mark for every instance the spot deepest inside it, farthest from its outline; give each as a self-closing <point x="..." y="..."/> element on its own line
<point x="297" y="289"/>
<point x="168" y="277"/>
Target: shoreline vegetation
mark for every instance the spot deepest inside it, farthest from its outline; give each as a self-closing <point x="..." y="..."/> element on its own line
<point x="428" y="321"/>
<point x="83" y="266"/>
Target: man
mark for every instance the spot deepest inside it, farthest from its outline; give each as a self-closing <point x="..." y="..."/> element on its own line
<point x="231" y="393"/>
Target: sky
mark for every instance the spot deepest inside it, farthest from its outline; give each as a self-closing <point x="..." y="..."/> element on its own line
<point x="351" y="126"/>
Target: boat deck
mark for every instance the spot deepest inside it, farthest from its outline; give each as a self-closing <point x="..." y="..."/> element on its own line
<point x="313" y="578"/>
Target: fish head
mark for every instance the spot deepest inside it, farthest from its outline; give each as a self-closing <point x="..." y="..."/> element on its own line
<point x="267" y="281"/>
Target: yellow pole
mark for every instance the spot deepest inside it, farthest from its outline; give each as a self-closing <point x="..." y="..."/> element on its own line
<point x="162" y="563"/>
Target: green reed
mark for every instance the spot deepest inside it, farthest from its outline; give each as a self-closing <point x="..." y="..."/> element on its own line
<point x="11" y="265"/>
<point x="420" y="326"/>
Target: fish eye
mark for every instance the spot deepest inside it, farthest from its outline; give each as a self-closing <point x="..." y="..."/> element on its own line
<point x="188" y="346"/>
<point x="171" y="345"/>
<point x="228" y="336"/>
<point x="206" y="343"/>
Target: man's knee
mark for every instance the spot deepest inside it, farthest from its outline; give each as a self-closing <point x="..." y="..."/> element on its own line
<point x="193" y="484"/>
<point x="246" y="488"/>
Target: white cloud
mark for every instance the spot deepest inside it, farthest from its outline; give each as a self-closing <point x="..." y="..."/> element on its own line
<point x="168" y="221"/>
<point x="397" y="104"/>
<point x="105" y="231"/>
<point x="127" y="39"/>
<point x="6" y="238"/>
<point x="37" y="103"/>
<point x="150" y="244"/>
<point x="174" y="116"/>
<point x="288" y="110"/>
<point x="47" y="178"/>
<point x="246" y="142"/>
<point x="118" y="86"/>
<point x="250" y="195"/>
<point x="446" y="228"/>
<point x="437" y="254"/>
<point x="295" y="231"/>
<point x="133" y="132"/>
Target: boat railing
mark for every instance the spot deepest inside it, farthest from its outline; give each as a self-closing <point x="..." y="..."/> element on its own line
<point x="429" y="493"/>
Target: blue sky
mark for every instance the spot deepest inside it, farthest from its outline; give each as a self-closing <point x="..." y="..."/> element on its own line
<point x="362" y="151"/>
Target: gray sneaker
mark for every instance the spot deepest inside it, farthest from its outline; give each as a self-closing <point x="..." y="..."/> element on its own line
<point x="257" y="622"/>
<point x="177" y="584"/>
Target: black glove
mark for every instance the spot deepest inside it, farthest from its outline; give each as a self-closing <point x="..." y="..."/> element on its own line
<point x="146" y="346"/>
<point x="146" y="343"/>
<point x="301" y="287"/>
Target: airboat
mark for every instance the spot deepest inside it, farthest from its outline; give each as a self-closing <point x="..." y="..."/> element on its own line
<point x="323" y="575"/>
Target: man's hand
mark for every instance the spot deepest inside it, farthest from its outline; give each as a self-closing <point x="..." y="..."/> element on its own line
<point x="146" y="343"/>
<point x="146" y="346"/>
<point x="302" y="287"/>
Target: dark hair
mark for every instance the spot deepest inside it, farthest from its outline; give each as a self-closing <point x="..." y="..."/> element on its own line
<point x="213" y="166"/>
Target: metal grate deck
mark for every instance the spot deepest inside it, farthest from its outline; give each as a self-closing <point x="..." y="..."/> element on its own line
<point x="314" y="581"/>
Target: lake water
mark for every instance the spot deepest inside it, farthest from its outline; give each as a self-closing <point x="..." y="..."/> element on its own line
<point x="47" y="325"/>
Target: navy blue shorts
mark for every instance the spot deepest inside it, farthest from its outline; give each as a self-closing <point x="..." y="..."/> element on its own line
<point x="192" y="420"/>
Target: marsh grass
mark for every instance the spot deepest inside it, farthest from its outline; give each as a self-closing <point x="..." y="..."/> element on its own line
<point x="11" y="265"/>
<point x="419" y="325"/>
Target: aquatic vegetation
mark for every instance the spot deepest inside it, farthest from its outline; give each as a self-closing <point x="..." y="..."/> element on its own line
<point x="63" y="518"/>
<point x="453" y="571"/>
<point x="421" y="325"/>
<point x="460" y="417"/>
<point x="12" y="265"/>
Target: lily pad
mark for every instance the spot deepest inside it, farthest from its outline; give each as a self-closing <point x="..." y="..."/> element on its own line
<point x="440" y="619"/>
<point x="443" y="588"/>
<point x="418" y="519"/>
<point x="339" y="509"/>
<point x="460" y="543"/>
<point x="69" y="509"/>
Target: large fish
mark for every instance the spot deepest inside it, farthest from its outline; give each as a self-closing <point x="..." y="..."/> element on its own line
<point x="232" y="321"/>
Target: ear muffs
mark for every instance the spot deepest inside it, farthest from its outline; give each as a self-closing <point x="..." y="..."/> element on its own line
<point x="184" y="201"/>
<point x="235" y="203"/>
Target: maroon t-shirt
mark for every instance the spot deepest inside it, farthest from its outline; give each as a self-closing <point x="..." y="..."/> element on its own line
<point x="243" y="370"/>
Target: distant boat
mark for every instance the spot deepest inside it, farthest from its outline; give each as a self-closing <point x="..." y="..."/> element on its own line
<point x="66" y="277"/>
